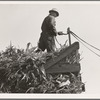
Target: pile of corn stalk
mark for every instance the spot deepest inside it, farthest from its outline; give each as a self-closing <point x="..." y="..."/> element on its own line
<point x="21" y="71"/>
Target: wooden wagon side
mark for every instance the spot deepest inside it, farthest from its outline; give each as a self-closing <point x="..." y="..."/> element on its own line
<point x="60" y="64"/>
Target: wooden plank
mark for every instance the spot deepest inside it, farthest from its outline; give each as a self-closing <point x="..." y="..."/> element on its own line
<point x="64" y="68"/>
<point x="62" y="55"/>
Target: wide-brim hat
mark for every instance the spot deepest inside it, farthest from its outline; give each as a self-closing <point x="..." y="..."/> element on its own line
<point x="54" y="10"/>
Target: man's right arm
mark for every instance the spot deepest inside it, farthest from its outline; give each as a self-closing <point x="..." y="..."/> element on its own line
<point x="52" y="24"/>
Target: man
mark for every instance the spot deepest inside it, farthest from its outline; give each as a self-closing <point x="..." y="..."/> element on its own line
<point x="48" y="33"/>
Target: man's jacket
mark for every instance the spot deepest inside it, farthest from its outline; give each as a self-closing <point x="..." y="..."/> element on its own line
<point x="48" y="26"/>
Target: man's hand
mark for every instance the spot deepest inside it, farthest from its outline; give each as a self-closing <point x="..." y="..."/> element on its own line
<point x="60" y="33"/>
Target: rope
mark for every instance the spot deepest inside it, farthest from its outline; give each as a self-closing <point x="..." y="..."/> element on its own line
<point x="85" y="45"/>
<point x="85" y="41"/>
<point x="65" y="43"/>
<point x="59" y="43"/>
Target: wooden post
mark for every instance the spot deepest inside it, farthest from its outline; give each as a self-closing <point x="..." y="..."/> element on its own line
<point x="68" y="32"/>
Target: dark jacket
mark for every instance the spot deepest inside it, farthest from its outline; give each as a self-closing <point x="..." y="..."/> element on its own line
<point x="48" y="25"/>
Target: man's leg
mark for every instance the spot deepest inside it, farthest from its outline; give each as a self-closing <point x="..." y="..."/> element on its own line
<point x="50" y="45"/>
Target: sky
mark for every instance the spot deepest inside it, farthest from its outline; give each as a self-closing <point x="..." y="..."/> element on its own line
<point x="20" y="23"/>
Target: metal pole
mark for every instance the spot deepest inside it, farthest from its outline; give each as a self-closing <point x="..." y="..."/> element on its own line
<point x="69" y="36"/>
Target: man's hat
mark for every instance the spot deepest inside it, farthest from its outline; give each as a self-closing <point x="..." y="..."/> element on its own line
<point x="54" y="10"/>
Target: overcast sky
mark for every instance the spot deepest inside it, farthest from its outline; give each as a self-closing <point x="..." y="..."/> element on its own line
<point x="21" y="23"/>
